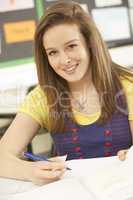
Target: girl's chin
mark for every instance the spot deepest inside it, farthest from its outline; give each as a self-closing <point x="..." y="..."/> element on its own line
<point x="73" y="80"/>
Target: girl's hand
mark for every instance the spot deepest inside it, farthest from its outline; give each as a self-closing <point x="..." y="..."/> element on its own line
<point x="44" y="172"/>
<point x="122" y="154"/>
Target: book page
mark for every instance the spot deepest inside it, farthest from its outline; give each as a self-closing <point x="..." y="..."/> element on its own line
<point x="94" y="174"/>
<point x="106" y="177"/>
<point x="109" y="177"/>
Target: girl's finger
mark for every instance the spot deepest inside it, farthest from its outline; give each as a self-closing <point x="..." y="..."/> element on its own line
<point x="122" y="154"/>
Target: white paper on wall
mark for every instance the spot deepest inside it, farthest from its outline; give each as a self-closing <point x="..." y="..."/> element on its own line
<point x="130" y="2"/>
<point x="102" y="3"/>
<point x="9" y="5"/>
<point x="113" y="23"/>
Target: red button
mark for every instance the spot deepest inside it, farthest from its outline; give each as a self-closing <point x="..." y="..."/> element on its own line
<point x="74" y="138"/>
<point x="107" y="154"/>
<point x="107" y="144"/>
<point x="77" y="149"/>
<point x="74" y="130"/>
<point x="107" y="133"/>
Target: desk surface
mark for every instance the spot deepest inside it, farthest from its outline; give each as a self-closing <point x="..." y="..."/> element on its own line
<point x="10" y="186"/>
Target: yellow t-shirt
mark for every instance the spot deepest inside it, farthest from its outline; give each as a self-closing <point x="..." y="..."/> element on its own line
<point x="35" y="105"/>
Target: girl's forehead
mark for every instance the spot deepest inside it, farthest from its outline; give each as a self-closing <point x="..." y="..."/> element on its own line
<point x="67" y="28"/>
<point x="61" y="33"/>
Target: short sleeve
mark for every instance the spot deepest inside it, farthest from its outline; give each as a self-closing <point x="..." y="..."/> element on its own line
<point x="35" y="105"/>
<point x="128" y="88"/>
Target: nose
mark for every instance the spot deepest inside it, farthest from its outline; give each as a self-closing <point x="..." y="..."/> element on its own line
<point x="64" y="58"/>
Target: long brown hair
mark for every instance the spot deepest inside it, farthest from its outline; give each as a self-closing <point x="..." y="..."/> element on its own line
<point x="105" y="74"/>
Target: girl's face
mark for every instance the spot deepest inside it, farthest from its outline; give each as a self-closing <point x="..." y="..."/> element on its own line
<point x="67" y="51"/>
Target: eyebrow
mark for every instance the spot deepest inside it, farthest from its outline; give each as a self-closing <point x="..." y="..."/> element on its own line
<point x="74" y="40"/>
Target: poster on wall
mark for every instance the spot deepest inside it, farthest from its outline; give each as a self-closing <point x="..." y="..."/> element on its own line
<point x="18" y="21"/>
<point x="17" y="32"/>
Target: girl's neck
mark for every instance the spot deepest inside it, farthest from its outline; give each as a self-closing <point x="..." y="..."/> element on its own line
<point x="84" y="97"/>
<point x="82" y="86"/>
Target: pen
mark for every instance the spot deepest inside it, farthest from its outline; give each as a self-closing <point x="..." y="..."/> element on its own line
<point x="38" y="158"/>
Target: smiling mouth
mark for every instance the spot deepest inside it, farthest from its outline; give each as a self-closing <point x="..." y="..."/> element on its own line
<point x="71" y="69"/>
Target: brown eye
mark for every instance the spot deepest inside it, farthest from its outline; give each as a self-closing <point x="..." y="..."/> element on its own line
<point x="72" y="46"/>
<point x="52" y="53"/>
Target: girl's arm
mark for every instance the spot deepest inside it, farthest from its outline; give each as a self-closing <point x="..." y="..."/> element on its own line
<point x="12" y="145"/>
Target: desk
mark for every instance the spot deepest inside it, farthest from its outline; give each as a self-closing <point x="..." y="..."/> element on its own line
<point x="10" y="186"/>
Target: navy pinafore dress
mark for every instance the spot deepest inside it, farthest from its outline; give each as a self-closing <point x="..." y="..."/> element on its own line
<point x="94" y="140"/>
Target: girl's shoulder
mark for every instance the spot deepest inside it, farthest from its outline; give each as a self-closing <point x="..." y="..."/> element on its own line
<point x="36" y="93"/>
<point x="127" y="82"/>
<point x="37" y="90"/>
<point x="35" y="105"/>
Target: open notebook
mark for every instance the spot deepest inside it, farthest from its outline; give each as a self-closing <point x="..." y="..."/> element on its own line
<point x="89" y="179"/>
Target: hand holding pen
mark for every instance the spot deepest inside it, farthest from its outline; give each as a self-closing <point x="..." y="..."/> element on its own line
<point x="38" y="158"/>
<point x="45" y="172"/>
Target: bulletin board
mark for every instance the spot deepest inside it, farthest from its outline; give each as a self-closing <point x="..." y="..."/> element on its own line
<point x="113" y="18"/>
<point x="18" y="21"/>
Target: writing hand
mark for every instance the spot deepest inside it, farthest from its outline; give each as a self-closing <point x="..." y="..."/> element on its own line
<point x="44" y="172"/>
